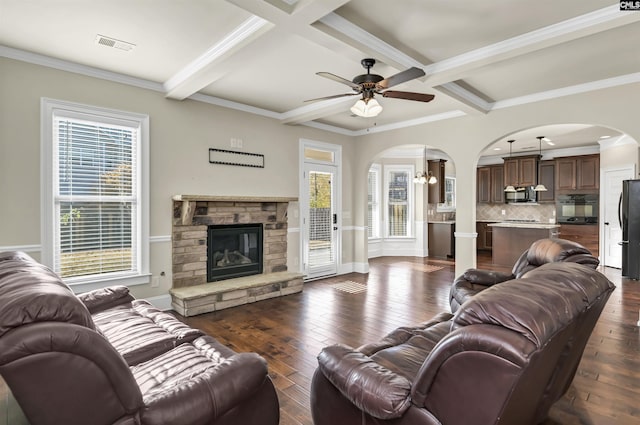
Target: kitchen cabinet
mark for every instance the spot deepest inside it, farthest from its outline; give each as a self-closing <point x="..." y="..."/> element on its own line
<point x="441" y="239"/>
<point x="490" y="184"/>
<point x="436" y="190"/>
<point x="484" y="185"/>
<point x="546" y="175"/>
<point x="584" y="234"/>
<point x="497" y="184"/>
<point x="484" y="241"/>
<point x="578" y="173"/>
<point x="521" y="170"/>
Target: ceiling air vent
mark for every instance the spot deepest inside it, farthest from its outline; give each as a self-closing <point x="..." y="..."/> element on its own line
<point x="112" y="42"/>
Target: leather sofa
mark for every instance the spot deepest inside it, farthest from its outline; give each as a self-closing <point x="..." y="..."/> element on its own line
<point x="504" y="357"/>
<point x="540" y="252"/>
<point x="104" y="357"/>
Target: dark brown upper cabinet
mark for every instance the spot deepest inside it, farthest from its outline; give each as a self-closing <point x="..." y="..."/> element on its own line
<point x="521" y="170"/>
<point x="490" y="184"/>
<point x="547" y="177"/>
<point x="578" y="173"/>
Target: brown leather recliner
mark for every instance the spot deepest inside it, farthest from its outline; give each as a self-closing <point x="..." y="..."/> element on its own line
<point x="540" y="252"/>
<point x="133" y="365"/>
<point x="504" y="358"/>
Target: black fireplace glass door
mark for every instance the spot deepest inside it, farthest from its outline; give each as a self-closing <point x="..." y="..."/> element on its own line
<point x="233" y="251"/>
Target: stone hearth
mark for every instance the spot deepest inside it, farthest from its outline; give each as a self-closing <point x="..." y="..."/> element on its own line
<point x="192" y="214"/>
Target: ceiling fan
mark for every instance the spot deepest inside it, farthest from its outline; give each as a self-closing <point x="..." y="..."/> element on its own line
<point x="370" y="84"/>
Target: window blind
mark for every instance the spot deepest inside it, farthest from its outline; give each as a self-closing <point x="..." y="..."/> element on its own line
<point x="398" y="203"/>
<point x="96" y="198"/>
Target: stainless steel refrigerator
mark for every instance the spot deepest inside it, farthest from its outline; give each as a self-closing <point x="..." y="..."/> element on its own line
<point x="629" y="216"/>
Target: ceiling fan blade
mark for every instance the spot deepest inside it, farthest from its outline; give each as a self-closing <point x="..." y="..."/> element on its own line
<point x="335" y="96"/>
<point x="401" y="77"/>
<point x="339" y="80"/>
<point x="420" y="97"/>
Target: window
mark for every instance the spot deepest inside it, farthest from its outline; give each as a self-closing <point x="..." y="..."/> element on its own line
<point x="373" y="189"/>
<point x="399" y="197"/>
<point x="94" y="195"/>
<point x="449" y="203"/>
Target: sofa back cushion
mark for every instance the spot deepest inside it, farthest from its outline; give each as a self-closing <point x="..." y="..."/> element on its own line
<point x="539" y="304"/>
<point x="30" y="292"/>
<point x="553" y="250"/>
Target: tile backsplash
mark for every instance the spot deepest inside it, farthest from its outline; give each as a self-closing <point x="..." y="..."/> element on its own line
<point x="544" y="213"/>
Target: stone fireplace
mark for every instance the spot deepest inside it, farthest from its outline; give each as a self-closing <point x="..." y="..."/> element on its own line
<point x="216" y="242"/>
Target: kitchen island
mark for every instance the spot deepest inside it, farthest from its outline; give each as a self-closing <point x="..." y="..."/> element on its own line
<point x="511" y="239"/>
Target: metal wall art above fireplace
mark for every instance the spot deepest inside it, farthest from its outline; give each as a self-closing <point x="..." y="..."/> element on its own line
<point x="233" y="250"/>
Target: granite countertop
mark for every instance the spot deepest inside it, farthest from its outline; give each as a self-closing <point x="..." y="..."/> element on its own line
<point x="525" y="225"/>
<point x="443" y="222"/>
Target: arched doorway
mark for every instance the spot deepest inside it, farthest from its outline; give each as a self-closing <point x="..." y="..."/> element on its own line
<point x="409" y="188"/>
<point x="576" y="162"/>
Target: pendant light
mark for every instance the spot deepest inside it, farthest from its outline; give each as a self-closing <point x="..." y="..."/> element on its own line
<point x="425" y="177"/>
<point x="540" y="187"/>
<point x="510" y="188"/>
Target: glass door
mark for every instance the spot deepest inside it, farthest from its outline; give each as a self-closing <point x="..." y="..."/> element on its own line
<point x="320" y="221"/>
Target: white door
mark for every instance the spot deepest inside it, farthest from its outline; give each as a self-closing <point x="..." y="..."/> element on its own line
<point x="611" y="232"/>
<point x="320" y="221"/>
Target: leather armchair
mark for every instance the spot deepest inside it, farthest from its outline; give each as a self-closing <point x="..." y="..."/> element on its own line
<point x="504" y="358"/>
<point x="62" y="369"/>
<point x="540" y="252"/>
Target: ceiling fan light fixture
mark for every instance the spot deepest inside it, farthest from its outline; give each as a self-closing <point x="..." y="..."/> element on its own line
<point x="540" y="188"/>
<point x="432" y="178"/>
<point x="510" y="188"/>
<point x="366" y="108"/>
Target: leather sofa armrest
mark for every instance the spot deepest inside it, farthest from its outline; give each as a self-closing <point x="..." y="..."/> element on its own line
<point x="203" y="397"/>
<point x="371" y="387"/>
<point x="105" y="298"/>
<point x="486" y="277"/>
<point x="62" y="373"/>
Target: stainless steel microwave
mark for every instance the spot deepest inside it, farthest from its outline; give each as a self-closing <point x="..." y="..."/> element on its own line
<point x="521" y="194"/>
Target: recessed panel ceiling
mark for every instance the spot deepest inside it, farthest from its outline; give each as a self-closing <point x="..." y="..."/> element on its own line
<point x="275" y="67"/>
<point x="440" y="29"/>
<point x="167" y="34"/>
<point x="587" y="59"/>
<point x="282" y="78"/>
<point x="277" y="72"/>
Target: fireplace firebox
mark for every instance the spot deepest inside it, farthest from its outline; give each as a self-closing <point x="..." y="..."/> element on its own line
<point x="233" y="250"/>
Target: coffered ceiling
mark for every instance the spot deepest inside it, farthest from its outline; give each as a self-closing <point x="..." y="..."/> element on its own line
<point x="262" y="56"/>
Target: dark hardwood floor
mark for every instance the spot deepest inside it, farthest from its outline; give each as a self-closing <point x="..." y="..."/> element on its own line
<point x="290" y="331"/>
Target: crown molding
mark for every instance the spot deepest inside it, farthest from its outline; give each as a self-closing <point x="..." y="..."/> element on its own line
<point x="75" y="68"/>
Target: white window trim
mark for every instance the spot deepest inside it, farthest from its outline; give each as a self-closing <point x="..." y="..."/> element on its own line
<point x="376" y="168"/>
<point x="410" y="169"/>
<point x="48" y="220"/>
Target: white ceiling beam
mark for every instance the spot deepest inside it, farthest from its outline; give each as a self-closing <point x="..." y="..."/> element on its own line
<point x="209" y="66"/>
<point x="581" y="26"/>
<point x="202" y="71"/>
<point x="316" y="110"/>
